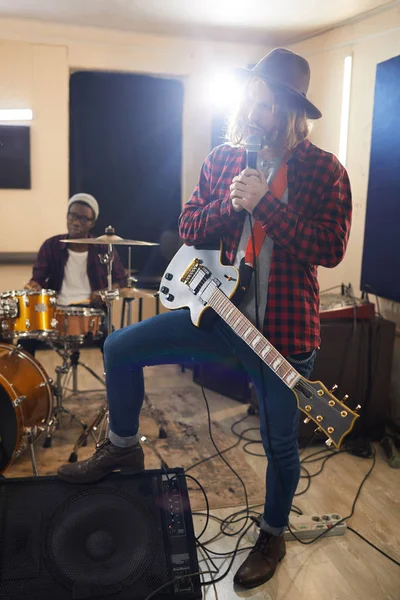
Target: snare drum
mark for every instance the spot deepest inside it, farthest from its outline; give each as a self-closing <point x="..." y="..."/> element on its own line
<point x="26" y="401"/>
<point x="75" y="323"/>
<point x="28" y="313"/>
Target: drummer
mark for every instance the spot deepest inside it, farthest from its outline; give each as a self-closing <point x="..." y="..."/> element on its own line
<point x="74" y="270"/>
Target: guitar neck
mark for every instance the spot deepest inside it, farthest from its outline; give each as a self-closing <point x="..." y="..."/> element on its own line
<point x="253" y="337"/>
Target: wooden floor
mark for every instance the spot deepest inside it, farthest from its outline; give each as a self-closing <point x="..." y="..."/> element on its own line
<point x="336" y="568"/>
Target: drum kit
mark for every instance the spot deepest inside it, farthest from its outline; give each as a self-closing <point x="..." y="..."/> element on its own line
<point x="31" y="403"/>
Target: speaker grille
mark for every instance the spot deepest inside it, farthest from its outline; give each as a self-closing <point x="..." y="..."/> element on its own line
<point x="100" y="538"/>
<point x="66" y="541"/>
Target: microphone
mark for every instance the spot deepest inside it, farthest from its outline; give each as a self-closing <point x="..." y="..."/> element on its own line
<point x="253" y="146"/>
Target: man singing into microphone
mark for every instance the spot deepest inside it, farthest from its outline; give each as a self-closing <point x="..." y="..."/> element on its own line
<point x="299" y="201"/>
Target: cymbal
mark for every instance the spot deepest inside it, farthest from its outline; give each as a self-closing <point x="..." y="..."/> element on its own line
<point x="131" y="293"/>
<point x="109" y="239"/>
<point x="136" y="293"/>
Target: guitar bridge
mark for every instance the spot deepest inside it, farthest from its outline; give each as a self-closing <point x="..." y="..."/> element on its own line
<point x="195" y="276"/>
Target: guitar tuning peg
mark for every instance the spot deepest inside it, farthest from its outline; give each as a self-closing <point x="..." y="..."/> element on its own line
<point x="318" y="430"/>
<point x="345" y="397"/>
<point x="333" y="388"/>
<point x="329" y="442"/>
<point x="307" y="420"/>
<point x="357" y="408"/>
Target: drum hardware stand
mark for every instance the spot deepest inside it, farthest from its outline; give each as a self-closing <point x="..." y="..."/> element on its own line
<point x="98" y="429"/>
<point x="108" y="297"/>
<point x="29" y="437"/>
<point x="130" y="283"/>
<point x="74" y="362"/>
<point x="162" y="434"/>
<point x="55" y="420"/>
<point x="101" y="421"/>
<point x="31" y="434"/>
<point x="130" y="279"/>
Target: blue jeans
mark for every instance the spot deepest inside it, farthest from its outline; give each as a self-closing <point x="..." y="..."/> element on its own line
<point x="171" y="338"/>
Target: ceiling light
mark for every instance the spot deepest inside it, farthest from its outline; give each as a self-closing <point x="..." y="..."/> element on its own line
<point x="16" y="114"/>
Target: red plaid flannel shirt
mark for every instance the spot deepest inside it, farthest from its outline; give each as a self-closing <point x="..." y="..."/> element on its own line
<point x="311" y="230"/>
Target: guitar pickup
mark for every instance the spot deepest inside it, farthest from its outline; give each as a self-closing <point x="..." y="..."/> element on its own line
<point x="199" y="280"/>
<point x="208" y="290"/>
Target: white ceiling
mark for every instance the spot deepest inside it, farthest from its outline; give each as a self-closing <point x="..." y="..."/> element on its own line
<point x="258" y="21"/>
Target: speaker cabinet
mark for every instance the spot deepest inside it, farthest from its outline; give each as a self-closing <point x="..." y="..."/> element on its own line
<point x="358" y="359"/>
<point x="119" y="539"/>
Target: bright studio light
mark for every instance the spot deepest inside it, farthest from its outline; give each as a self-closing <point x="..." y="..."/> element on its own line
<point x="344" y="119"/>
<point x="223" y="91"/>
<point x="16" y="114"/>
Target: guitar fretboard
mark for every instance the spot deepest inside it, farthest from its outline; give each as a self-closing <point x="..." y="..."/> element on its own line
<point x="253" y="338"/>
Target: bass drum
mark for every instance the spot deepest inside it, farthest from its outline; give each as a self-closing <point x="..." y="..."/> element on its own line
<point x="26" y="401"/>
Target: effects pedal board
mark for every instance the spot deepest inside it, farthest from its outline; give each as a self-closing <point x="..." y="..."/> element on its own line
<point x="307" y="527"/>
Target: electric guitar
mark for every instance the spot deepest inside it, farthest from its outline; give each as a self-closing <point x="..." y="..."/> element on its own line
<point x="196" y="279"/>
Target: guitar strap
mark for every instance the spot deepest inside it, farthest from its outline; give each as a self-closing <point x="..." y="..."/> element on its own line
<point x="278" y="186"/>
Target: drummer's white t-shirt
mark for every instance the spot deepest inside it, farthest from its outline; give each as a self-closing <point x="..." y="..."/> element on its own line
<point x="75" y="286"/>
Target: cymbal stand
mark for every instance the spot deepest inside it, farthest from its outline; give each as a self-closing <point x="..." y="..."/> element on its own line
<point x="131" y="279"/>
<point x="109" y="295"/>
<point x="99" y="425"/>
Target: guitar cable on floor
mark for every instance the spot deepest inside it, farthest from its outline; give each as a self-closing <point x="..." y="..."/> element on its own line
<point x="250" y="514"/>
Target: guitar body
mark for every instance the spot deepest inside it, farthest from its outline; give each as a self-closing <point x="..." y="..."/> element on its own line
<point x="197" y="279"/>
<point x="183" y="297"/>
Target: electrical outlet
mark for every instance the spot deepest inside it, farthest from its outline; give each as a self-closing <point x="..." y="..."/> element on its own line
<point x="307" y="527"/>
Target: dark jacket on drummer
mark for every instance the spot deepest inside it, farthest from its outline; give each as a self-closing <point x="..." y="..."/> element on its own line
<point x="74" y="271"/>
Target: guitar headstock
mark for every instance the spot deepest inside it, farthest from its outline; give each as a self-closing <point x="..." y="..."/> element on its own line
<point x="331" y="415"/>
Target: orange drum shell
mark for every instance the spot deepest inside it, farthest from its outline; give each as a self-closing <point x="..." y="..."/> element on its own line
<point x="78" y="322"/>
<point x="22" y="375"/>
<point x="36" y="313"/>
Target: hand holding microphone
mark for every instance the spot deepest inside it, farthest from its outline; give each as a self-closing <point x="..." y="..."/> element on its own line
<point x="250" y="186"/>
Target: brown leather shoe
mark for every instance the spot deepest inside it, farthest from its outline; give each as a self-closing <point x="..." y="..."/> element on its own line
<point x="262" y="561"/>
<point x="107" y="458"/>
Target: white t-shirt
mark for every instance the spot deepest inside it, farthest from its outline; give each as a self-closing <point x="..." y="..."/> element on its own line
<point x="75" y="286"/>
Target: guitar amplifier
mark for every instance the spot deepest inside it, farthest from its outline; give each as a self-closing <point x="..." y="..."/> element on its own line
<point x="359" y="312"/>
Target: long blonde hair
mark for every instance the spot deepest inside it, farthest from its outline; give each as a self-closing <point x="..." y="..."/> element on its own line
<point x="293" y="127"/>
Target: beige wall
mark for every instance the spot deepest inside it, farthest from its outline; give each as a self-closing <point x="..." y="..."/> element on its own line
<point x="370" y="41"/>
<point x="36" y="76"/>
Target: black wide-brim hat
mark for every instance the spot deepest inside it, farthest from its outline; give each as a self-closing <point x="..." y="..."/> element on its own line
<point x="290" y="73"/>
